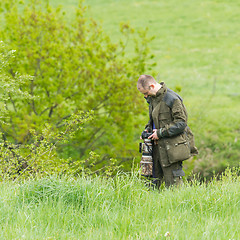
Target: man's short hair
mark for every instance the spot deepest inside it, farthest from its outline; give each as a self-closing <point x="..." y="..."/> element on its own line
<point x="145" y="80"/>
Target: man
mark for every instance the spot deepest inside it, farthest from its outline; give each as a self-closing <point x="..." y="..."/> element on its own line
<point x="172" y="139"/>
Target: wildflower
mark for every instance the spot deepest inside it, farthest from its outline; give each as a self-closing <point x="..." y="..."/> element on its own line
<point x="167" y="234"/>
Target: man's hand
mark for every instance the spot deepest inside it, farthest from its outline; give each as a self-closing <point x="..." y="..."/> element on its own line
<point x="154" y="135"/>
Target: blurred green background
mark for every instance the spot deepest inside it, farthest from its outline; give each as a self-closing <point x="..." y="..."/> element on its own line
<point x="197" y="53"/>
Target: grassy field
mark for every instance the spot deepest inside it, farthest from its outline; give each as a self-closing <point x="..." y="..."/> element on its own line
<point x="196" y="48"/>
<point x="119" y="208"/>
<point x="196" y="43"/>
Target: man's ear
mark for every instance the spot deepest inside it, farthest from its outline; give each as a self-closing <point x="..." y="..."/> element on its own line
<point x="151" y="85"/>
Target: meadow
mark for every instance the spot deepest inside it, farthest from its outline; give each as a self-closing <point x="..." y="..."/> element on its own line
<point x="196" y="48"/>
<point x="119" y="208"/>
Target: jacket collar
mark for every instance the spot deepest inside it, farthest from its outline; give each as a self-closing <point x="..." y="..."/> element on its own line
<point x="160" y="93"/>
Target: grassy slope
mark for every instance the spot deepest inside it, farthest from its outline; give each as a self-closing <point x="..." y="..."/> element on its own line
<point x="121" y="208"/>
<point x="196" y="43"/>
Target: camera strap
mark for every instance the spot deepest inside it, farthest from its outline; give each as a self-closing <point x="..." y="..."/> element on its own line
<point x="148" y="147"/>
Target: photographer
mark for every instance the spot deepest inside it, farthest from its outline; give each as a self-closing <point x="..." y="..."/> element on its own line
<point x="172" y="139"/>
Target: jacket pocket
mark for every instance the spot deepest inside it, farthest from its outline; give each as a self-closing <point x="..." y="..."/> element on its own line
<point x="178" y="149"/>
<point x="164" y="118"/>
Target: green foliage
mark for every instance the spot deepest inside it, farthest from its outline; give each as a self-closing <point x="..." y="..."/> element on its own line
<point x="119" y="208"/>
<point x="39" y="157"/>
<point x="74" y="67"/>
<point x="10" y="86"/>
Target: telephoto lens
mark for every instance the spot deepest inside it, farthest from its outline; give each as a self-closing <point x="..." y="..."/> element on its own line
<point x="145" y="148"/>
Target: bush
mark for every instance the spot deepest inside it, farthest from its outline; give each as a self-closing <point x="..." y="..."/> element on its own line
<point x="73" y="67"/>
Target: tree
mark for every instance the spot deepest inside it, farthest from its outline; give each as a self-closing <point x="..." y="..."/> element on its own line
<point x="74" y="67"/>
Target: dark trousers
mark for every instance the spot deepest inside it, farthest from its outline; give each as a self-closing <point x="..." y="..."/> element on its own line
<point x="172" y="175"/>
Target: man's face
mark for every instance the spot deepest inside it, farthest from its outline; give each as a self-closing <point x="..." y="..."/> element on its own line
<point x="146" y="91"/>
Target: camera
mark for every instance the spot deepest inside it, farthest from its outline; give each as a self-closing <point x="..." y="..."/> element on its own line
<point x="145" y="134"/>
<point x="146" y="163"/>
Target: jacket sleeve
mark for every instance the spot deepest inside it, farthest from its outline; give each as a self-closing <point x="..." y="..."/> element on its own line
<point x="178" y="122"/>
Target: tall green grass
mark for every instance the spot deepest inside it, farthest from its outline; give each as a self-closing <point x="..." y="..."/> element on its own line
<point x="119" y="208"/>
